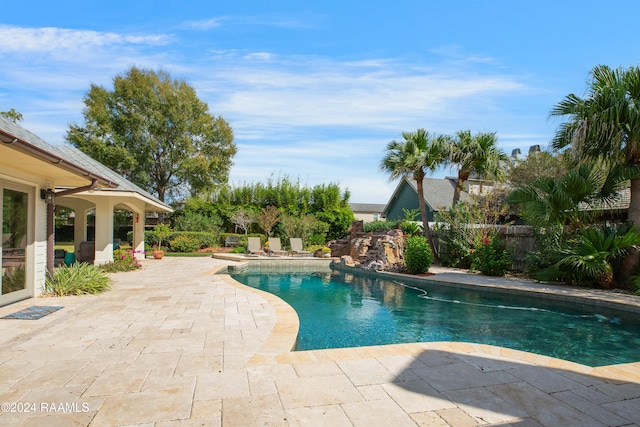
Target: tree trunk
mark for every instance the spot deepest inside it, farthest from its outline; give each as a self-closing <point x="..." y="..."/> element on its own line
<point x="161" y="215"/>
<point x="631" y="261"/>
<point x="425" y="220"/>
<point x="462" y="177"/>
<point x="457" y="191"/>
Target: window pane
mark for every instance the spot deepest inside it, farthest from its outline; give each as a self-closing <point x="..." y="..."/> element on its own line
<point x="14" y="240"/>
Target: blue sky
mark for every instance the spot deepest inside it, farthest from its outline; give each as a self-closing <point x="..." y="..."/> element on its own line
<point x="315" y="90"/>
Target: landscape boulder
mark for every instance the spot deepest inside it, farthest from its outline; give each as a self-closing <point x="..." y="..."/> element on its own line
<point x="376" y="250"/>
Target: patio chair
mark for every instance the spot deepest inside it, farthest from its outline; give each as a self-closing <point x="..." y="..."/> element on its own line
<point x="253" y="246"/>
<point x="275" y="246"/>
<point x="86" y="252"/>
<point x="296" y="246"/>
<point x="58" y="257"/>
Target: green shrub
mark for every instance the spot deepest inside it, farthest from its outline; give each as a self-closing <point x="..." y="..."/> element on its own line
<point x="417" y="255"/>
<point x="184" y="243"/>
<point x="490" y="256"/>
<point x="123" y="260"/>
<point x="380" y="226"/>
<point x="151" y="240"/>
<point x="456" y="234"/>
<point x="316" y="239"/>
<point x="77" y="279"/>
<point x="456" y="249"/>
<point x="338" y="220"/>
<point x="539" y="262"/>
<point x="410" y="228"/>
<point x="184" y="220"/>
<point x="589" y="257"/>
<point x="204" y="239"/>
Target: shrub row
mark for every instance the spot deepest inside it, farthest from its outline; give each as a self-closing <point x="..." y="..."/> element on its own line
<point x="180" y="241"/>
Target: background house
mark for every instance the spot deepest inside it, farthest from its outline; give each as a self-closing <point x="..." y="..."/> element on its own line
<point x="367" y="212"/>
<point x="438" y="194"/>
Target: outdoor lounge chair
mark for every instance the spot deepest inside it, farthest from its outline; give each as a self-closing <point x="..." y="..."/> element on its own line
<point x="296" y="246"/>
<point x="275" y="247"/>
<point x="253" y="246"/>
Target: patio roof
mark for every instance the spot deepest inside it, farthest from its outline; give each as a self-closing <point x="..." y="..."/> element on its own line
<point x="152" y="203"/>
<point x="28" y="152"/>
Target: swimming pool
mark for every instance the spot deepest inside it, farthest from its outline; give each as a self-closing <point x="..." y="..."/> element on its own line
<point x="342" y="310"/>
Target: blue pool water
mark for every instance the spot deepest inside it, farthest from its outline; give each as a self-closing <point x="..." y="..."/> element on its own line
<point x="343" y="310"/>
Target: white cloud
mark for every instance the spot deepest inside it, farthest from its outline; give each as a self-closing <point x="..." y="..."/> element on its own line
<point x="20" y="39"/>
<point x="376" y="94"/>
<point x="260" y="56"/>
<point x="247" y="21"/>
<point x="204" y="24"/>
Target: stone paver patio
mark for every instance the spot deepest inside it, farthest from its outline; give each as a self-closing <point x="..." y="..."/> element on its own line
<point x="175" y="345"/>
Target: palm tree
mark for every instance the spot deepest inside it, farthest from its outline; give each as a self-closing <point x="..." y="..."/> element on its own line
<point x="558" y="202"/>
<point x="420" y="152"/>
<point x="591" y="253"/>
<point x="477" y="153"/>
<point x="605" y="125"/>
<point x="587" y="253"/>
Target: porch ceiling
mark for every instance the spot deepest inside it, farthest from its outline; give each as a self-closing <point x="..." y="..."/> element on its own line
<point x="41" y="168"/>
<point x="122" y="198"/>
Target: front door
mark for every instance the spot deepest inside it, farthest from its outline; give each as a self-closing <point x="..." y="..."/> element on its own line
<point x="15" y="239"/>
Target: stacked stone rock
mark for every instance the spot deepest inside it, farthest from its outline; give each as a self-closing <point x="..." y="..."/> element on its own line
<point x="381" y="250"/>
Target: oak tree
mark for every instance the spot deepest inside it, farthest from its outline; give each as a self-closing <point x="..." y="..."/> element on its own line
<point x="156" y="132"/>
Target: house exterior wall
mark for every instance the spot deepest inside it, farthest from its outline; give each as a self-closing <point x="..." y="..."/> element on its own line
<point x="40" y="244"/>
<point x="477" y="188"/>
<point x="368" y="216"/>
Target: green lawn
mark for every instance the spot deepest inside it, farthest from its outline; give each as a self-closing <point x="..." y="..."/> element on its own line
<point x="68" y="246"/>
<point x="188" y="254"/>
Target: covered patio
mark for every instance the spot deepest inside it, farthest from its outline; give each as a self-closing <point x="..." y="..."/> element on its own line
<point x="126" y="196"/>
<point x="35" y="176"/>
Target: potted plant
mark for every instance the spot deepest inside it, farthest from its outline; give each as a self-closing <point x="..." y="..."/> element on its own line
<point x="162" y="233"/>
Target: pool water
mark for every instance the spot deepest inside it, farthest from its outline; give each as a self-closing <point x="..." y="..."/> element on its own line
<point x="342" y="310"/>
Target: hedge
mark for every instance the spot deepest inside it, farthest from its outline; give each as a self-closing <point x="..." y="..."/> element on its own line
<point x="204" y="239"/>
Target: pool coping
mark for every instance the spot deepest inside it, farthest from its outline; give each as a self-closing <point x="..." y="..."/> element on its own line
<point x="273" y="260"/>
<point x="278" y="348"/>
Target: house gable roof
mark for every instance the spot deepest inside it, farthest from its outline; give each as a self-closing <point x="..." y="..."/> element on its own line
<point x="620" y="202"/>
<point x="24" y="143"/>
<point x="367" y="207"/>
<point x="438" y="192"/>
<point x="84" y="160"/>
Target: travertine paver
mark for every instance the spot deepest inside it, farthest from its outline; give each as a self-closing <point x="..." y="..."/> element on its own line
<point x="175" y="345"/>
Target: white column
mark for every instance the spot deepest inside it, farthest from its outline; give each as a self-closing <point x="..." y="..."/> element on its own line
<point x="104" y="230"/>
<point x="138" y="234"/>
<point x="79" y="228"/>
